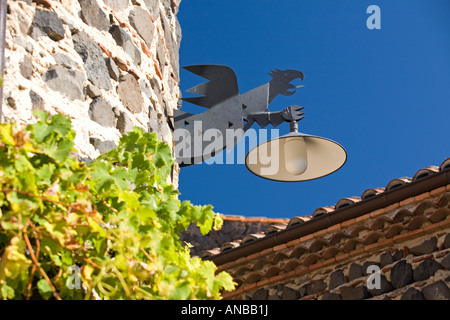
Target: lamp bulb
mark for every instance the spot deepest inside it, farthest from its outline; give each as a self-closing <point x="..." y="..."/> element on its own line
<point x="295" y="155"/>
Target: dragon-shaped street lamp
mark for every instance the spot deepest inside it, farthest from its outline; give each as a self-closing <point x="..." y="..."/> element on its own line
<point x="293" y="157"/>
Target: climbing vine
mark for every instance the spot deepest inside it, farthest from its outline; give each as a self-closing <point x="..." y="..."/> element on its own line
<point x="109" y="229"/>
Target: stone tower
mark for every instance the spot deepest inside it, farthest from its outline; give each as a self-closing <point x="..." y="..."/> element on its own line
<point x="108" y="65"/>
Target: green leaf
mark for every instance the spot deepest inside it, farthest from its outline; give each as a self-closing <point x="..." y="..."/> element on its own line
<point x="90" y="216"/>
<point x="6" y="134"/>
<point x="182" y="291"/>
<point x="206" y="219"/>
<point x="41" y="131"/>
<point x="66" y="258"/>
<point x="44" y="289"/>
<point x="218" y="222"/>
<point x="45" y="173"/>
<point x="7" y="292"/>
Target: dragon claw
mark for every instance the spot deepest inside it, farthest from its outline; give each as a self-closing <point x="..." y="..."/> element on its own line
<point x="292" y="113"/>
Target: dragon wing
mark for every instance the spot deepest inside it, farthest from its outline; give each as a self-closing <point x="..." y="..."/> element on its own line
<point x="222" y="85"/>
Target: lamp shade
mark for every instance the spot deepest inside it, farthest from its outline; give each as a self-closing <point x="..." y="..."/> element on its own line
<point x="296" y="157"/>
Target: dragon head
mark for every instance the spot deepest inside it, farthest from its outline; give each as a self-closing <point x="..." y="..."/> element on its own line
<point x="280" y="83"/>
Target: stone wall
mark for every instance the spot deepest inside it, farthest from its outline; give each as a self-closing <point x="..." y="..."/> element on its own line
<point x="109" y="65"/>
<point x="420" y="271"/>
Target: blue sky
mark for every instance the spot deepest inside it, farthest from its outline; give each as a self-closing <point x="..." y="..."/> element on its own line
<point x="383" y="94"/>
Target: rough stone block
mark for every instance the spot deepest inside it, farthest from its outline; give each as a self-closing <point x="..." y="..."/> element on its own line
<point x="26" y="67"/>
<point x="124" y="40"/>
<point x="153" y="7"/>
<point x="354" y="293"/>
<point x="289" y="294"/>
<point x="49" y="23"/>
<point x="92" y="91"/>
<point x="412" y="294"/>
<point x="37" y="103"/>
<point x="130" y="94"/>
<point x="70" y="83"/>
<point x="397" y="255"/>
<point x="426" y="269"/>
<point x="330" y="296"/>
<point x="336" y="279"/>
<point x="102" y="146"/>
<point x="447" y="241"/>
<point x="384" y="286"/>
<point x="117" y="5"/>
<point x="171" y="44"/>
<point x="315" y="287"/>
<point x="101" y="112"/>
<point x="140" y="20"/>
<point x="401" y="274"/>
<point x="113" y="70"/>
<point x="367" y="264"/>
<point x="445" y="262"/>
<point x="428" y="246"/>
<point x="436" y="291"/>
<point x="64" y="60"/>
<point x="124" y="123"/>
<point x="260" y="294"/>
<point x="93" y="15"/>
<point x="354" y="272"/>
<point x="92" y="56"/>
<point x="386" y="258"/>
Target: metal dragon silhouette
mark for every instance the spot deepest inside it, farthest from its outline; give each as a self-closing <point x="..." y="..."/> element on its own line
<point x="228" y="109"/>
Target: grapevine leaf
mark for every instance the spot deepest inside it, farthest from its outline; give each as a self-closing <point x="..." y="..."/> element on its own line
<point x="44" y="289"/>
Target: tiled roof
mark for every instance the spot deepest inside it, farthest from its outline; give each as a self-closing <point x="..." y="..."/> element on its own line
<point x="420" y="217"/>
<point x="341" y="205"/>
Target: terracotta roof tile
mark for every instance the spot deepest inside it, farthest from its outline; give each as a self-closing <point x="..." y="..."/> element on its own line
<point x="275" y="228"/>
<point x="344" y="202"/>
<point x="317" y="245"/>
<point x="439" y="215"/>
<point x="394" y="230"/>
<point x="330" y="252"/>
<point x="311" y="259"/>
<point x="417" y="222"/>
<point x="445" y="165"/>
<point x="356" y="230"/>
<point x="423" y="173"/>
<point x="278" y="257"/>
<point x="322" y="210"/>
<point x="298" y="220"/>
<point x="397" y="183"/>
<point x="252" y="237"/>
<point x="338" y="238"/>
<point x="424" y="207"/>
<point x="254" y="277"/>
<point x="291" y="265"/>
<point x="401" y="215"/>
<point x="352" y="244"/>
<point x="229" y="245"/>
<point x="381" y="222"/>
<point x="272" y="271"/>
<point x="298" y="251"/>
<point x="443" y="201"/>
<point x="209" y="253"/>
<point x="369" y="193"/>
<point x="241" y="271"/>
<point x="373" y="237"/>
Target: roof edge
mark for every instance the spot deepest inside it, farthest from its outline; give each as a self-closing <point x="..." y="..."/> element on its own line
<point x="379" y="201"/>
